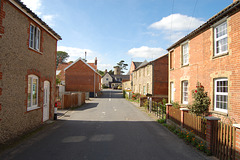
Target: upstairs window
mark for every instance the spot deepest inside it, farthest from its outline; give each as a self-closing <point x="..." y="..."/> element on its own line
<point x="34" y="38"/>
<point x="220" y="39"/>
<point x="185" y="54"/>
<point x="171" y="60"/>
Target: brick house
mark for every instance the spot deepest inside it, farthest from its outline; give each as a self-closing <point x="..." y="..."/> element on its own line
<point x="82" y="77"/>
<point x="152" y="77"/>
<point x="210" y="54"/>
<point x="28" y="48"/>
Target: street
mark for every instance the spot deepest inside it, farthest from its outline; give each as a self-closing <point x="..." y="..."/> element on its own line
<point x="106" y="128"/>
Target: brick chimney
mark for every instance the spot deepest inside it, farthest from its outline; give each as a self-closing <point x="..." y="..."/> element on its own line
<point x="234" y="1"/>
<point x="95" y="63"/>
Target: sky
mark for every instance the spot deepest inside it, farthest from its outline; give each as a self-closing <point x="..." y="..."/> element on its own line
<point x="129" y="30"/>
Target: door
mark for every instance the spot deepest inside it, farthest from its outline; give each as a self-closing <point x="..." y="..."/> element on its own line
<point x="46" y="101"/>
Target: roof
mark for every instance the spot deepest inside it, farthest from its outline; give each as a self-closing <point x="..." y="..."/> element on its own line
<point x="231" y="9"/>
<point x="34" y="17"/>
<point x="145" y="63"/>
<point x="142" y="64"/>
<point x="80" y="59"/>
<point x="137" y="64"/>
<point x="60" y="69"/>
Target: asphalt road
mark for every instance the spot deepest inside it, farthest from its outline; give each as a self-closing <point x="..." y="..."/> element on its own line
<point x="106" y="128"/>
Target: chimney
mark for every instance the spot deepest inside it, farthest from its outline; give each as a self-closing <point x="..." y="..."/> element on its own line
<point x="234" y="1"/>
<point x="95" y="63"/>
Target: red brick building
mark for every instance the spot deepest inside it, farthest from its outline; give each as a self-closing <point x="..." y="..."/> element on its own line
<point x="210" y="55"/>
<point x="81" y="76"/>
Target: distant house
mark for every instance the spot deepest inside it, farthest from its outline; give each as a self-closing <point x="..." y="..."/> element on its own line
<point x="60" y="73"/>
<point x="152" y="77"/>
<point x="115" y="80"/>
<point x="209" y="55"/>
<point x="134" y="65"/>
<point x="83" y="77"/>
<point x="27" y="70"/>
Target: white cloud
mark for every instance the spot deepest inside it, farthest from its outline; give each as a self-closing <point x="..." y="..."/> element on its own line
<point x="49" y="19"/>
<point x="34" y="5"/>
<point x="177" y="22"/>
<point x="146" y="52"/>
<point x="75" y="53"/>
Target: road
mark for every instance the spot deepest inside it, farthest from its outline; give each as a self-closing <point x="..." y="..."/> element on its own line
<point x="106" y="128"/>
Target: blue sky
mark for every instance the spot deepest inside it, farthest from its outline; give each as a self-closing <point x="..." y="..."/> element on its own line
<point x="114" y="30"/>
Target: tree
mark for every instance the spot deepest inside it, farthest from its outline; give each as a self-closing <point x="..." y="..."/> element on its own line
<point x="101" y="72"/>
<point x="201" y="100"/>
<point x="61" y="56"/>
<point x="111" y="72"/>
<point x="122" y="66"/>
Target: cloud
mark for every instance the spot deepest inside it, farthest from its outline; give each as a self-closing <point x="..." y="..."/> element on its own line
<point x="36" y="6"/>
<point x="177" y="22"/>
<point x="146" y="52"/>
<point x="75" y="53"/>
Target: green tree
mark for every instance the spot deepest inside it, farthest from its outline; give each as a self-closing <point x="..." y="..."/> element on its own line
<point x="122" y="66"/>
<point x="61" y="57"/>
<point x="111" y="72"/>
<point x="201" y="100"/>
<point x="101" y="72"/>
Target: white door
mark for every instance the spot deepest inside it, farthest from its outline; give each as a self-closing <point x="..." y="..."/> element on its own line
<point x="46" y="101"/>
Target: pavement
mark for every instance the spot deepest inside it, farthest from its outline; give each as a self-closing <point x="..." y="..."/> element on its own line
<point x="105" y="128"/>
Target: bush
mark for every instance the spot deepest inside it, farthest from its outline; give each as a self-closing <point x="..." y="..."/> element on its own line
<point x="104" y="86"/>
<point x="201" y="100"/>
<point x="124" y="93"/>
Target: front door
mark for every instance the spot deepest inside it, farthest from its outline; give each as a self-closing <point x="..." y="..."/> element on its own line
<point x="46" y="101"/>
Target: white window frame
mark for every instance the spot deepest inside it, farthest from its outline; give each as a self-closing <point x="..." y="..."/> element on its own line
<point x="184" y="90"/>
<point x="217" y="93"/>
<point x="32" y="106"/>
<point x="185" y="54"/>
<point x="34" y="37"/>
<point x="218" y="39"/>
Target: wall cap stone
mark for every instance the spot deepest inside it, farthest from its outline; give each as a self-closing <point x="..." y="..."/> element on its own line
<point x="236" y="125"/>
<point x="210" y="118"/>
<point x="168" y="104"/>
<point x="184" y="109"/>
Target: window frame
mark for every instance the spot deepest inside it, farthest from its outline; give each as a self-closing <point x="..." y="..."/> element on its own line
<point x="185" y="54"/>
<point x="32" y="106"/>
<point x="34" y="37"/>
<point x="218" y="25"/>
<point x="183" y="91"/>
<point x="171" y="92"/>
<point x="216" y="93"/>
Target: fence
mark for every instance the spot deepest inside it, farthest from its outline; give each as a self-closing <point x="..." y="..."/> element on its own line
<point x="70" y="100"/>
<point x="194" y="123"/>
<point x="224" y="141"/>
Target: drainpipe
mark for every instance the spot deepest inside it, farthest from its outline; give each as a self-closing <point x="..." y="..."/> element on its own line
<point x="94" y="85"/>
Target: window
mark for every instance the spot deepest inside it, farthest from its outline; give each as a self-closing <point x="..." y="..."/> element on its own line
<point x="171" y="92"/>
<point x="171" y="60"/>
<point x="106" y="79"/>
<point x="185" y="54"/>
<point x="221" y="39"/>
<point x="221" y="95"/>
<point x="32" y="92"/>
<point x="34" y="38"/>
<point x="185" y="92"/>
<point x="144" y="90"/>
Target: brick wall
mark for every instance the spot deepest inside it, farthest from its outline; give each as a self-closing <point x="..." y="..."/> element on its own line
<point x="204" y="67"/>
<point x="160" y="77"/>
<point x="80" y="77"/>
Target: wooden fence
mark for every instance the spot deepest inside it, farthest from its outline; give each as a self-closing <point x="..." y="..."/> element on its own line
<point x="194" y="123"/>
<point x="175" y="115"/>
<point x="70" y="100"/>
<point x="224" y="139"/>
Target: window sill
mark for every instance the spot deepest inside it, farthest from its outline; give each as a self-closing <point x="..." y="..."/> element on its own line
<point x="171" y="69"/>
<point x="186" y="65"/>
<point x="220" y="55"/>
<point x="34" y="50"/>
<point x="32" y="108"/>
<point x="220" y="113"/>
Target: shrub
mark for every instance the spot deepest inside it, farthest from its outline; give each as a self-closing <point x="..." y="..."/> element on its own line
<point x="201" y="100"/>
